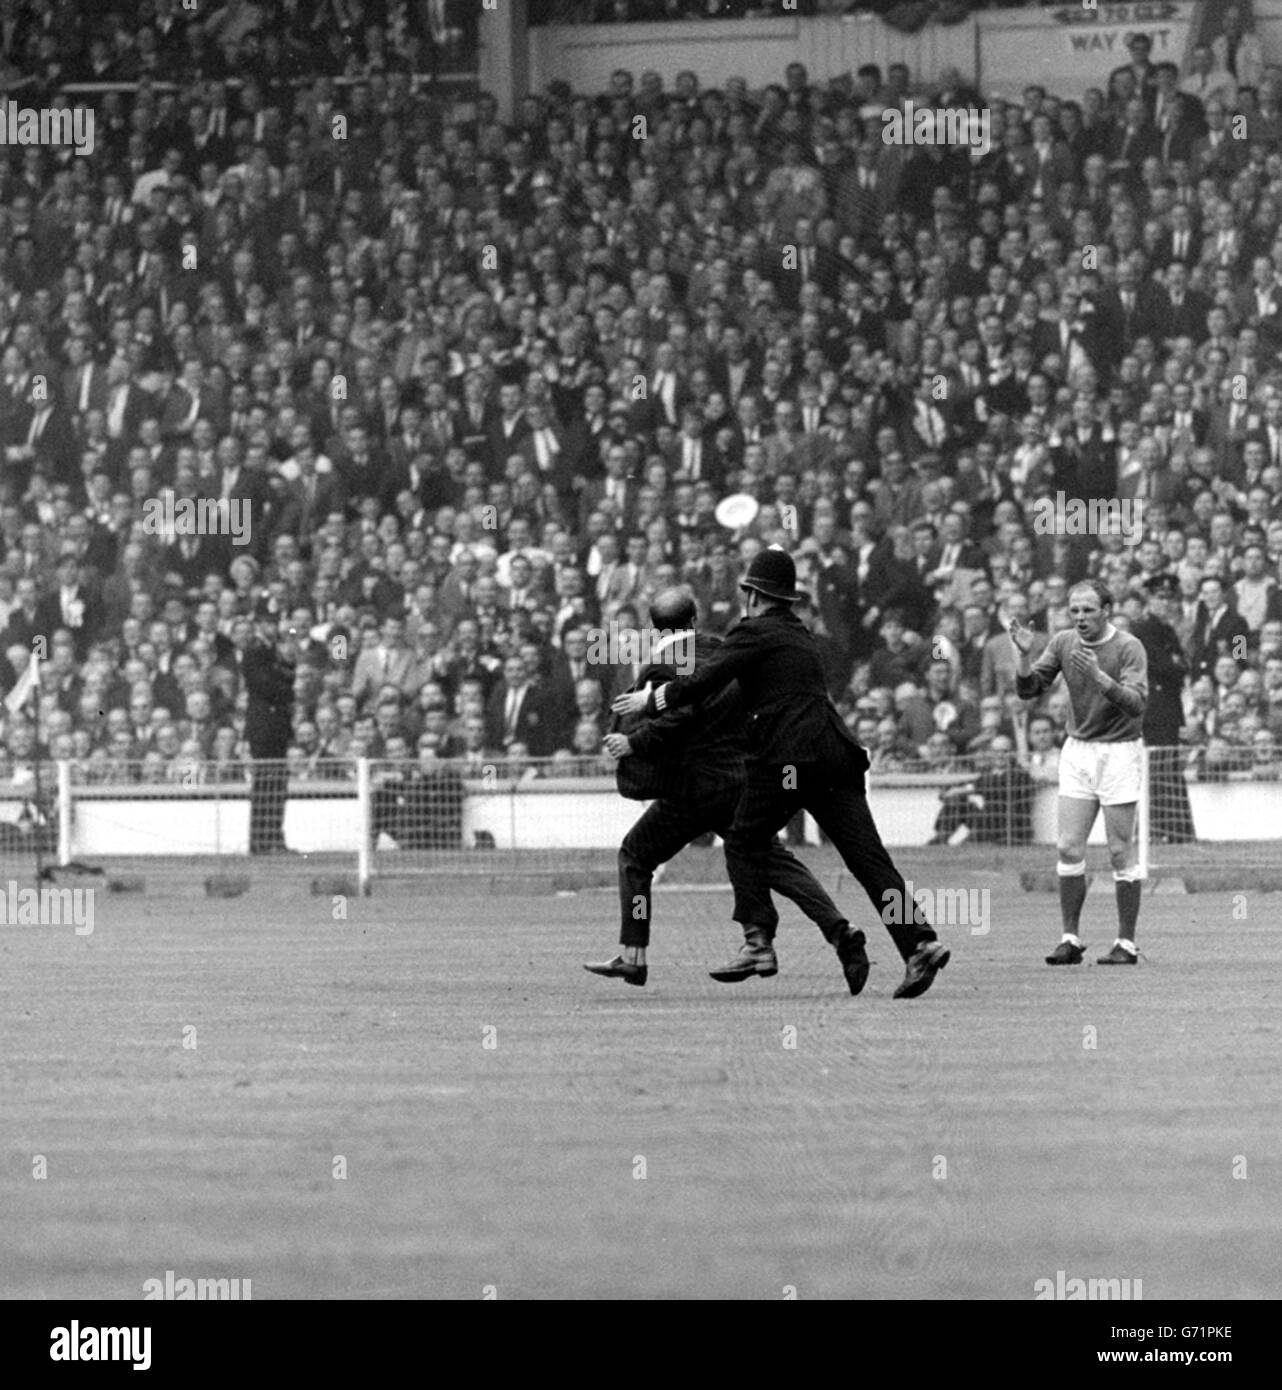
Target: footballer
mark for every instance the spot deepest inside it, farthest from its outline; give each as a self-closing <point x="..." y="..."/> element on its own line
<point x="1102" y="760"/>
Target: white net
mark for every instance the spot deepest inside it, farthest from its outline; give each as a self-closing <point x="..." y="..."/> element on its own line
<point x="1208" y="815"/>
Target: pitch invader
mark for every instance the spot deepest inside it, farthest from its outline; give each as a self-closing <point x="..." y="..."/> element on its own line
<point x="1102" y="761"/>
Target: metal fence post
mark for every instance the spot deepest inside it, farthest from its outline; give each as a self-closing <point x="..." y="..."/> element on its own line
<point x="513" y="783"/>
<point x="64" y="811"/>
<point x="364" y="823"/>
<point x="1143" y="820"/>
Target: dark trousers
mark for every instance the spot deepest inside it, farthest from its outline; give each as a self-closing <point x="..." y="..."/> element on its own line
<point x="954" y="811"/>
<point x="268" y="784"/>
<point x="835" y="797"/>
<point x="668" y="826"/>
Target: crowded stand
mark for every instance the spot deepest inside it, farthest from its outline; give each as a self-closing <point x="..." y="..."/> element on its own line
<point x="480" y="387"/>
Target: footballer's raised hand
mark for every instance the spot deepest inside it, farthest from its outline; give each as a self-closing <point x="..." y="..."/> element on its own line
<point x="1021" y="636"/>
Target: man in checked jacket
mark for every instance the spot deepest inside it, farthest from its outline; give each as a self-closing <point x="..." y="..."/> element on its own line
<point x="702" y="757"/>
<point x="803" y="758"/>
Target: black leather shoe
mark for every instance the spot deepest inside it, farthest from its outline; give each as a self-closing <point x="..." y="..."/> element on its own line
<point x="853" y="956"/>
<point x="1119" y="955"/>
<point x="618" y="969"/>
<point x="1066" y="954"/>
<point x="923" y="965"/>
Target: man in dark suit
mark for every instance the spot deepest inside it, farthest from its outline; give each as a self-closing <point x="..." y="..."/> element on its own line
<point x="191" y="557"/>
<point x="506" y="429"/>
<point x="697" y="760"/>
<point x="1142" y="70"/>
<point x="242" y="477"/>
<point x="1183" y="243"/>
<point x="585" y="432"/>
<point x="72" y="604"/>
<point x="1083" y="461"/>
<point x="1217" y="154"/>
<point x="516" y="713"/>
<point x="1266" y="430"/>
<point x="268" y="668"/>
<point x="1125" y="313"/>
<point x="925" y="420"/>
<point x="1133" y="139"/>
<point x="190" y="399"/>
<point x="1059" y="335"/>
<point x="1164" y="713"/>
<point x="616" y="489"/>
<point x="547" y="450"/>
<point x="410" y="440"/>
<point x="1230" y="424"/>
<point x="1188" y="424"/>
<point x="1217" y="630"/>
<point x="127" y="403"/>
<point x="694" y="457"/>
<point x="49" y="445"/>
<point x="1148" y="476"/>
<point x="856" y="318"/>
<point x="1177" y="117"/>
<point x="866" y="189"/>
<point x="734" y="370"/>
<point x="1047" y="161"/>
<point x="84" y="381"/>
<point x="803" y="758"/>
<point x="1178" y="311"/>
<point x="1259" y="304"/>
<point x="310" y="498"/>
<point x="1175" y="143"/>
<point x="428" y="481"/>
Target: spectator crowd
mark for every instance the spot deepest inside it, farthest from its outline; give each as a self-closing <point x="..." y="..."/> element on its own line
<point x="911" y="14"/>
<point x="481" y="385"/>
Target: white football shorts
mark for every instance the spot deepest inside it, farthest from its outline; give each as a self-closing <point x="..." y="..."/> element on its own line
<point x="1110" y="773"/>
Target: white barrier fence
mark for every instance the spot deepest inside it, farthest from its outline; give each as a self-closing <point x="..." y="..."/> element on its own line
<point x="397" y="817"/>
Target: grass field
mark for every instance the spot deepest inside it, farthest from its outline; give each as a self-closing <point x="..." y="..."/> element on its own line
<point x="962" y="1145"/>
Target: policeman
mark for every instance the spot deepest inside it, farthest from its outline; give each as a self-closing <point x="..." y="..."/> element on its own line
<point x="268" y="670"/>
<point x="700" y="757"/>
<point x="1168" y="668"/>
<point x="804" y="758"/>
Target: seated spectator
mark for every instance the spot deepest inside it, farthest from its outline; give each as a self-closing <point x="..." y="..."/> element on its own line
<point x="995" y="806"/>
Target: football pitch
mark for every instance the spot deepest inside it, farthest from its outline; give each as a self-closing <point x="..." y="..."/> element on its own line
<point x="431" y="1099"/>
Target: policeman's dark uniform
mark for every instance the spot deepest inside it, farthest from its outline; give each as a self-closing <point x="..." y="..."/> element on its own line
<point x="702" y="757"/>
<point x="1172" y="815"/>
<point x="802" y="758"/>
<point x="269" y="681"/>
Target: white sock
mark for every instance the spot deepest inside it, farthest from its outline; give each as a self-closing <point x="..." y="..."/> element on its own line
<point x="1128" y="946"/>
<point x="1070" y="938"/>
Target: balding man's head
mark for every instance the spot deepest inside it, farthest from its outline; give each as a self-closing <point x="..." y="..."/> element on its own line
<point x="674" y="608"/>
